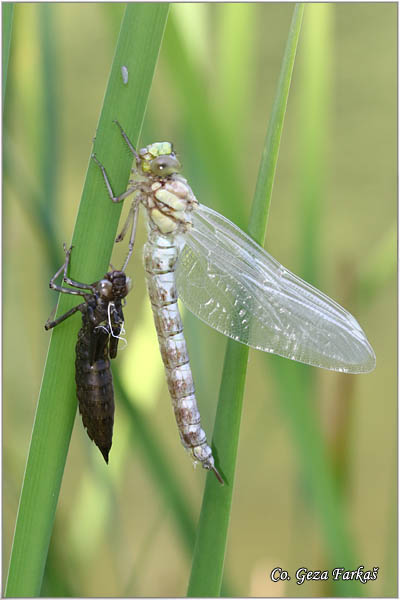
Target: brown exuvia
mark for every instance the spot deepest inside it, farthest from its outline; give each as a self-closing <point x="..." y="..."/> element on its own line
<point x="102" y="321"/>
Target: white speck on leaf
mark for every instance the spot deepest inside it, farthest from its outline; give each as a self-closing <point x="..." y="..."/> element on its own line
<point x="124" y="72"/>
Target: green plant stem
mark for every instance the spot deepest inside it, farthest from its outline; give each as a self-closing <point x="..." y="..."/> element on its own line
<point x="314" y="63"/>
<point x="296" y="383"/>
<point x="236" y="21"/>
<point x="378" y="268"/>
<point x="209" y="554"/>
<point x="49" y="158"/>
<point x="204" y="124"/>
<point x="96" y="224"/>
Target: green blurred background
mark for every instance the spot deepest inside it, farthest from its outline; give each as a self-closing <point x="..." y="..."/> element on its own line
<point x="332" y="221"/>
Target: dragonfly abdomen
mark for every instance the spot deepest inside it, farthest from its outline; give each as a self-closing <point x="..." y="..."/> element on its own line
<point x="160" y="256"/>
<point x="94" y="389"/>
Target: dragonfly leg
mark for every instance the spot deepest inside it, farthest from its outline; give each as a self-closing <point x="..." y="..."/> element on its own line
<point x="52" y="283"/>
<point x="127" y="140"/>
<point x="133" y="214"/>
<point x="64" y="290"/>
<point x="50" y="324"/>
<point x="77" y="284"/>
<point x="133" y="188"/>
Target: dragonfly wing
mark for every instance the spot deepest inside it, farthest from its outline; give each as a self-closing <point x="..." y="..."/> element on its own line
<point x="230" y="282"/>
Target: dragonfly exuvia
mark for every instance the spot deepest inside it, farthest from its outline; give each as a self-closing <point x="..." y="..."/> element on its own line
<point x="230" y="282"/>
<point x="102" y="323"/>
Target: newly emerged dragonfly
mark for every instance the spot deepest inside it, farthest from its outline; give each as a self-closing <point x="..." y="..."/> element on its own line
<point x="230" y="282"/>
<point x="102" y="323"/>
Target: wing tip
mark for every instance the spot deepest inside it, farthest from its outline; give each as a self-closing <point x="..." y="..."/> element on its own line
<point x="365" y="363"/>
<point x="366" y="367"/>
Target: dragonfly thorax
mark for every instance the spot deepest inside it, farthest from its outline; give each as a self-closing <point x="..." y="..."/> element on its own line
<point x="165" y="194"/>
<point x="169" y="205"/>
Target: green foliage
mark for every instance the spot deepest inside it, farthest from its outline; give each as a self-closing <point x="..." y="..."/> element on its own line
<point x="203" y="122"/>
<point x="305" y="433"/>
<point x="209" y="555"/>
<point x="93" y="239"/>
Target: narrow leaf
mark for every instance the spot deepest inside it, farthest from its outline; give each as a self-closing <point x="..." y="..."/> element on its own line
<point x="93" y="238"/>
<point x="209" y="555"/>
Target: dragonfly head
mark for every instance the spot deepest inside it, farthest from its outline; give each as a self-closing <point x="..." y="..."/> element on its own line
<point x="114" y="285"/>
<point x="159" y="159"/>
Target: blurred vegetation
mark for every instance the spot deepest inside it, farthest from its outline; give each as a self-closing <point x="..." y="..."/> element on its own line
<point x="117" y="530"/>
<point x="212" y="531"/>
<point x="93" y="239"/>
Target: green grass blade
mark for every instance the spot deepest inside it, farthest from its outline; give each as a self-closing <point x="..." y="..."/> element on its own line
<point x="49" y="160"/>
<point x="269" y="159"/>
<point x="297" y="383"/>
<point x="7" y="19"/>
<point x="93" y="238"/>
<point x="236" y="22"/>
<point x="314" y="126"/>
<point x="379" y="268"/>
<point x="203" y="124"/>
<point x="31" y="201"/>
<point x="209" y="554"/>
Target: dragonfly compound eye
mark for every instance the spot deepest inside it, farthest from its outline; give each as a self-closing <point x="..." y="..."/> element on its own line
<point x="105" y="288"/>
<point x="165" y="165"/>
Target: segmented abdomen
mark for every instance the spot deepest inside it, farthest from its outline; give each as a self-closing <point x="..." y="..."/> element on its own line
<point x="160" y="256"/>
<point x="95" y="391"/>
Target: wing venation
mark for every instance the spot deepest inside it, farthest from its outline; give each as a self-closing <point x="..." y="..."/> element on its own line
<point x="230" y="282"/>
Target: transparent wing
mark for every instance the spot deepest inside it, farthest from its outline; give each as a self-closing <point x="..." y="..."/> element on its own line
<point x="230" y="282"/>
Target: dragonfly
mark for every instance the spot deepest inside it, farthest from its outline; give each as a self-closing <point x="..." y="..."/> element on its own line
<point x="228" y="281"/>
<point x="102" y="325"/>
